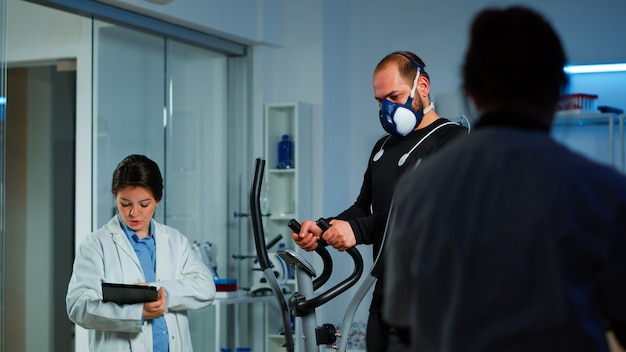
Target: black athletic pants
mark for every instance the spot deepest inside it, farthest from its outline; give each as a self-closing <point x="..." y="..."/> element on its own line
<point x="380" y="337"/>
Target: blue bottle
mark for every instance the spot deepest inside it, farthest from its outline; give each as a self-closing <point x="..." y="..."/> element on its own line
<point x="285" y="153"/>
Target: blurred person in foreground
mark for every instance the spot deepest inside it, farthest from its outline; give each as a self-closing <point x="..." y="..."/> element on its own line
<point x="532" y="259"/>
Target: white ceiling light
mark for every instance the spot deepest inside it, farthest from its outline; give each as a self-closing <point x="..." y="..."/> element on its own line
<point x="620" y="67"/>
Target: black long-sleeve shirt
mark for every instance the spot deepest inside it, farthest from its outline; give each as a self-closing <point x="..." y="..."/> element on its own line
<point x="368" y="215"/>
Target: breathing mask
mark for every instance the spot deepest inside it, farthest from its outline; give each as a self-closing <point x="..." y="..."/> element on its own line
<point x="401" y="119"/>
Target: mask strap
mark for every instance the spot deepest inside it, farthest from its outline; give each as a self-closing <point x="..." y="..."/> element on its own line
<point x="430" y="107"/>
<point x="418" y="68"/>
<point x="417" y="76"/>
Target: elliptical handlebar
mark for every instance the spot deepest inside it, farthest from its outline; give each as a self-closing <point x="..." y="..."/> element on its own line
<point x="257" y="221"/>
<point x="321" y="250"/>
<point x="333" y="292"/>
<point x="301" y="306"/>
<point x="261" y="249"/>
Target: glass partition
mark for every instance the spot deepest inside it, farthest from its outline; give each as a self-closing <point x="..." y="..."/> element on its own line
<point x="167" y="100"/>
<point x="129" y="99"/>
<point x="196" y="156"/>
<point x="196" y="140"/>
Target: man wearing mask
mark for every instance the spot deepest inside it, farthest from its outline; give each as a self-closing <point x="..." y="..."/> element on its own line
<point x="414" y="131"/>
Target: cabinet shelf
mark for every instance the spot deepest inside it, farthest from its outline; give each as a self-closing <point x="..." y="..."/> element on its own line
<point x="282" y="171"/>
<point x="584" y="119"/>
<point x="282" y="217"/>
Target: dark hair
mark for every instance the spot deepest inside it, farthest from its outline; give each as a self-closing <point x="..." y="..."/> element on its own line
<point x="406" y="68"/>
<point x="138" y="171"/>
<point x="509" y="48"/>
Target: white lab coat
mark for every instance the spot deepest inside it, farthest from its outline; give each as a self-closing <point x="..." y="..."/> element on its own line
<point x="107" y="256"/>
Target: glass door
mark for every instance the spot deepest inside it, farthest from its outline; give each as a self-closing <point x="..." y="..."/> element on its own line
<point x="196" y="140"/>
<point x="129" y="100"/>
<point x="168" y="101"/>
<point x="196" y="157"/>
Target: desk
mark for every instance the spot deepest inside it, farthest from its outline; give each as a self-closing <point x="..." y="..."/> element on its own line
<point x="241" y="298"/>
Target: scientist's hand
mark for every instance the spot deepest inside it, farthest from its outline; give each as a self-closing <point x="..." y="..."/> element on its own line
<point x="156" y="309"/>
<point x="340" y="235"/>
<point x="308" y="236"/>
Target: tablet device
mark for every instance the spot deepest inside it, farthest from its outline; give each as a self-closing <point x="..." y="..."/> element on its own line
<point x="128" y="294"/>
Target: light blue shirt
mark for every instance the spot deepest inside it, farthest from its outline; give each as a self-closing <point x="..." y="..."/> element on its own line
<point x="146" y="252"/>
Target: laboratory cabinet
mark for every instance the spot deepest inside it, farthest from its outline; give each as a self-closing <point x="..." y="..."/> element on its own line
<point x="599" y="136"/>
<point x="286" y="192"/>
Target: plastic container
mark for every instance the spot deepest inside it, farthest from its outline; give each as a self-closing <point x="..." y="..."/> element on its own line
<point x="225" y="284"/>
<point x="285" y="153"/>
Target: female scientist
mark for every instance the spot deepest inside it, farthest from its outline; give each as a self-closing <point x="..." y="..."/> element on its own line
<point x="133" y="248"/>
